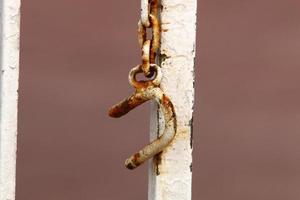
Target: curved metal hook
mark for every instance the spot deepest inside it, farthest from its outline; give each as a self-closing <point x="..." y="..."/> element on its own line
<point x="148" y="90"/>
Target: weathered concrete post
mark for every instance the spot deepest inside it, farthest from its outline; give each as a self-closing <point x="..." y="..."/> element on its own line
<point x="9" y="59"/>
<point x="170" y="173"/>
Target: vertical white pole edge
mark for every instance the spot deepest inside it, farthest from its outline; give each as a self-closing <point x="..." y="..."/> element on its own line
<point x="170" y="174"/>
<point x="9" y="59"/>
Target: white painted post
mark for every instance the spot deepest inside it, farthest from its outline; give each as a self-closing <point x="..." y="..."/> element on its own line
<point x="170" y="174"/>
<point x="9" y="59"/>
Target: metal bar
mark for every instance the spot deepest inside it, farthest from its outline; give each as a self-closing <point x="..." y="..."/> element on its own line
<point x="9" y="59"/>
<point x="170" y="172"/>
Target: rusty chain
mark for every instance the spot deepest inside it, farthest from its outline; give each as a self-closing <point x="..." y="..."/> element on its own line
<point x="149" y="20"/>
<point x="148" y="89"/>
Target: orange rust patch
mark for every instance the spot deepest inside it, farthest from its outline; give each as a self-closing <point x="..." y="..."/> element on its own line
<point x="119" y="109"/>
<point x="167" y="102"/>
<point x="143" y="84"/>
<point x="125" y="106"/>
<point x="135" y="159"/>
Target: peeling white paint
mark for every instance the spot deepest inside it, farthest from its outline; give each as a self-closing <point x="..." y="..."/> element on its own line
<point x="9" y="59"/>
<point x="174" y="181"/>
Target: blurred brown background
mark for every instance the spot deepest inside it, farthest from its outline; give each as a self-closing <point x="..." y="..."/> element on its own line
<point x="75" y="56"/>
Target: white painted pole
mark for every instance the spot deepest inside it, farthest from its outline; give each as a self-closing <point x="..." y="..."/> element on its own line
<point x="170" y="174"/>
<point x="9" y="59"/>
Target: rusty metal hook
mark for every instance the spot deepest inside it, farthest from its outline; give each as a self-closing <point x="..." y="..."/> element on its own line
<point x="148" y="90"/>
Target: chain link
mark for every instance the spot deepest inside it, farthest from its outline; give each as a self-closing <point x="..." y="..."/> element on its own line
<point x="149" y="19"/>
<point x="145" y="13"/>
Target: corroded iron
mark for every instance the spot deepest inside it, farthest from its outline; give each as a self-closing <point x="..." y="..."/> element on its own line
<point x="149" y="89"/>
<point x="151" y="22"/>
<point x="141" y="34"/>
<point x="145" y="91"/>
<point x="145" y="13"/>
<point x="154" y="21"/>
<point x="146" y="50"/>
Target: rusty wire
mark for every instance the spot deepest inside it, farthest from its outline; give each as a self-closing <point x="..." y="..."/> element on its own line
<point x="151" y="22"/>
<point x="148" y="90"/>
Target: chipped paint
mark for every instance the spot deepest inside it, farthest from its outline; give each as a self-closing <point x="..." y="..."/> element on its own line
<point x="177" y="53"/>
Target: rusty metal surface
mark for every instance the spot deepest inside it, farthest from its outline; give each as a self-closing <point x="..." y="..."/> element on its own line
<point x="154" y="20"/>
<point x="153" y="16"/>
<point x="145" y="91"/>
<point x="146" y="58"/>
<point x="149" y="89"/>
<point x="145" y="13"/>
<point x="141" y="33"/>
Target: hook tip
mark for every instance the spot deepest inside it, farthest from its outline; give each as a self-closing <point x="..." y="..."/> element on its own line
<point x="133" y="162"/>
<point x="118" y="110"/>
<point x="112" y="113"/>
<point x="129" y="164"/>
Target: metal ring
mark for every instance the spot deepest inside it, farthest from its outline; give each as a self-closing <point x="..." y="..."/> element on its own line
<point x="143" y="84"/>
